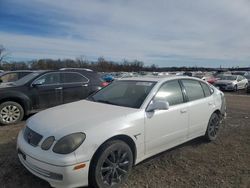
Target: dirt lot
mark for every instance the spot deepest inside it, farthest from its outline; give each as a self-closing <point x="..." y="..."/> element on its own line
<point x="223" y="163"/>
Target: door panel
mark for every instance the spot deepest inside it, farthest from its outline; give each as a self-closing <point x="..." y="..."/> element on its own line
<point x="48" y="96"/>
<point x="200" y="107"/>
<point x="199" y="114"/>
<point x="74" y="92"/>
<point x="166" y="128"/>
<point x="47" y="90"/>
<point x="75" y="87"/>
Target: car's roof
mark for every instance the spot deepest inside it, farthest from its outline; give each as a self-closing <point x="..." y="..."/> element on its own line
<point x="158" y="78"/>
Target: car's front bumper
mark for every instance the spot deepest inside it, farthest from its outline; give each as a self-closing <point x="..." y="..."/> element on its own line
<point x="63" y="176"/>
<point x="225" y="87"/>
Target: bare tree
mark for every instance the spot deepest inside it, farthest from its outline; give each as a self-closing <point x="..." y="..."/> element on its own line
<point x="3" y="54"/>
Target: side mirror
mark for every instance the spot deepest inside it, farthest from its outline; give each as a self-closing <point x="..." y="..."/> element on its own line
<point x="157" y="105"/>
<point x="38" y="83"/>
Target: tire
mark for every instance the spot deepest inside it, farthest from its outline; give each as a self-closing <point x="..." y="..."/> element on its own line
<point x="235" y="88"/>
<point x="246" y="85"/>
<point x="11" y="113"/>
<point x="248" y="89"/>
<point x="111" y="165"/>
<point x="212" y="127"/>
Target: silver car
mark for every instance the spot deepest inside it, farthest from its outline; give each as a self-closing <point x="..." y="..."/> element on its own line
<point x="231" y="82"/>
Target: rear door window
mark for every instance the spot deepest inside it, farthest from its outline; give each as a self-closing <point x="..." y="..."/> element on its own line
<point x="22" y="74"/>
<point x="71" y="77"/>
<point x="170" y="92"/>
<point x="206" y="89"/>
<point x="193" y="89"/>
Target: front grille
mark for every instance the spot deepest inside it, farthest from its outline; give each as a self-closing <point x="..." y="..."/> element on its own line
<point x="32" y="137"/>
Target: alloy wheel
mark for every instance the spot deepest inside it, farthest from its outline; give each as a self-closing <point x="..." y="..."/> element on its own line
<point x="115" y="167"/>
<point x="10" y="114"/>
<point x="213" y="127"/>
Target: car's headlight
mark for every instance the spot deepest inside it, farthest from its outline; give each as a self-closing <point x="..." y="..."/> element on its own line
<point x="47" y="143"/>
<point x="69" y="143"/>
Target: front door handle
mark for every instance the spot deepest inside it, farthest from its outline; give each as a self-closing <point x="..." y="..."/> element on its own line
<point x="85" y="85"/>
<point x="183" y="111"/>
<point x="59" y="88"/>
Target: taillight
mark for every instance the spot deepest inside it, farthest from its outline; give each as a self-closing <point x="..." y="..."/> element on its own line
<point x="104" y="84"/>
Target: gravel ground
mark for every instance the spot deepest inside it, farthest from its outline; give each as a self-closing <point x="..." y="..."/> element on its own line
<point x="223" y="163"/>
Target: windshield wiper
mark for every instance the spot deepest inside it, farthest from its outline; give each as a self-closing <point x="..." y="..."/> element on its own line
<point x="90" y="98"/>
<point x="105" y="101"/>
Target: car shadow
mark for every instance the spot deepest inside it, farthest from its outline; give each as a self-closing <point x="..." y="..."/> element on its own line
<point x="194" y="143"/>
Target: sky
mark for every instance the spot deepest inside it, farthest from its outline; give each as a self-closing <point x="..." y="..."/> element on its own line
<point x="206" y="33"/>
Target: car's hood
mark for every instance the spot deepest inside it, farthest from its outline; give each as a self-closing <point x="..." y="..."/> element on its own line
<point x="7" y="84"/>
<point x="76" y="117"/>
<point x="224" y="81"/>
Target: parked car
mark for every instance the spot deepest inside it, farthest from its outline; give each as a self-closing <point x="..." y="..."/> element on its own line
<point x="207" y="76"/>
<point x="248" y="86"/>
<point x="108" y="78"/>
<point x="97" y="141"/>
<point x="12" y="76"/>
<point x="43" y="89"/>
<point x="242" y="73"/>
<point x="231" y="82"/>
<point x="210" y="79"/>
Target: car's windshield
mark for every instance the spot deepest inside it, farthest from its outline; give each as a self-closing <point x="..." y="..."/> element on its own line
<point x="227" y="77"/>
<point x="127" y="93"/>
<point x="26" y="79"/>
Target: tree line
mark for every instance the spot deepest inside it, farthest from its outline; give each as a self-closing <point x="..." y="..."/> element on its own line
<point x="101" y="65"/>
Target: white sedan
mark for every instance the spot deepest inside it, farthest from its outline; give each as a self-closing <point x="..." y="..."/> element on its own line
<point x="97" y="141"/>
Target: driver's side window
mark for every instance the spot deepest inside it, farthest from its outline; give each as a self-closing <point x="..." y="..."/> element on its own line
<point x="48" y="79"/>
<point x="170" y="92"/>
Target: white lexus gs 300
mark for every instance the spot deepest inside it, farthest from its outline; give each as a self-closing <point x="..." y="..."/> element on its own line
<point x="97" y="141"/>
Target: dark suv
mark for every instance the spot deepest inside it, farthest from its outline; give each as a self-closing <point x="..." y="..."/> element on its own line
<point x="44" y="89"/>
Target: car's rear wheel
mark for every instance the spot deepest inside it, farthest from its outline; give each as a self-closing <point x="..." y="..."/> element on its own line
<point x="213" y="127"/>
<point x="111" y="165"/>
<point x="10" y="113"/>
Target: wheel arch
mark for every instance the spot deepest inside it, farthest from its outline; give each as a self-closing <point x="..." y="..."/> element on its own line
<point x="18" y="100"/>
<point x="125" y="138"/>
<point x="218" y="112"/>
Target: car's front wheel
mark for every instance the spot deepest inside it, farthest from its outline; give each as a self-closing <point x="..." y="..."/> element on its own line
<point x="235" y="88"/>
<point x="246" y="85"/>
<point x="213" y="127"/>
<point x="10" y="113"/>
<point x="111" y="165"/>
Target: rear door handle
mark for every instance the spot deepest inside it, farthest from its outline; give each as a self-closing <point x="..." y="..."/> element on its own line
<point x="183" y="111"/>
<point x="85" y="85"/>
<point x="58" y="88"/>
